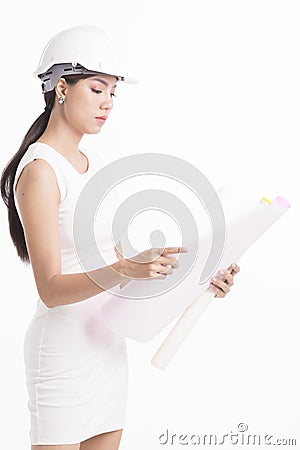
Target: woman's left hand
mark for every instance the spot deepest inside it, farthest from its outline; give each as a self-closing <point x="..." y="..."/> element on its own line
<point x="223" y="280"/>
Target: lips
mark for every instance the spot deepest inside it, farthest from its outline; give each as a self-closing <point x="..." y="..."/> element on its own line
<point x="101" y="117"/>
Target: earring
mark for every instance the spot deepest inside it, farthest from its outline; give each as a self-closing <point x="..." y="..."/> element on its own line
<point x="61" y="100"/>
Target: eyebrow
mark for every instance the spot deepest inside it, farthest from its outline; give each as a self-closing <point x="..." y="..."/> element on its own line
<point x="104" y="82"/>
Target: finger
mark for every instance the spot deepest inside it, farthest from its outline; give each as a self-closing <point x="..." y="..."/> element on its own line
<point x="160" y="275"/>
<point x="123" y="283"/>
<point x="164" y="269"/>
<point x="174" y="250"/>
<point x="220" y="284"/>
<point x="117" y="252"/>
<point x="218" y="291"/>
<point x="233" y="269"/>
<point x="118" y="256"/>
<point x="167" y="260"/>
<point x="226" y="276"/>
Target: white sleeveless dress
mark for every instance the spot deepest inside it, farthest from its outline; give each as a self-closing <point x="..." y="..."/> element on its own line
<point x="76" y="369"/>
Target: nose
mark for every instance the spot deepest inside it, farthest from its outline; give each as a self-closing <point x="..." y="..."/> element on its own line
<point x="106" y="101"/>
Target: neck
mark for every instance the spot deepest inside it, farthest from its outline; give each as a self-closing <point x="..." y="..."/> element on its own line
<point x="61" y="136"/>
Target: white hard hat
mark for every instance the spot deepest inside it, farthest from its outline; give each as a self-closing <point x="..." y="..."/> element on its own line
<point x="77" y="50"/>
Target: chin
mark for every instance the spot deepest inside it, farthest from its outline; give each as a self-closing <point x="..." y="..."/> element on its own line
<point x="94" y="130"/>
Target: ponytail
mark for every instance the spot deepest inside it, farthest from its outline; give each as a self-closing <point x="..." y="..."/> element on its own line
<point x="9" y="173"/>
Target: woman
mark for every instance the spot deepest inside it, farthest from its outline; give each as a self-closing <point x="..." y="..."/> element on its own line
<point x="76" y="369"/>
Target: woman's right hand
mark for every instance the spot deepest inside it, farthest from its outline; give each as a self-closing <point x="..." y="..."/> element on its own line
<point x="151" y="264"/>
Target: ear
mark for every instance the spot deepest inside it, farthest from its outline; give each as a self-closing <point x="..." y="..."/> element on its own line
<point x="61" y="87"/>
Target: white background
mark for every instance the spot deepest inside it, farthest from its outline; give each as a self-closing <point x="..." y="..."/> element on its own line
<point x="219" y="87"/>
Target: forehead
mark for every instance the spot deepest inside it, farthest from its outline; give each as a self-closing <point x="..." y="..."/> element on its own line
<point x="105" y="79"/>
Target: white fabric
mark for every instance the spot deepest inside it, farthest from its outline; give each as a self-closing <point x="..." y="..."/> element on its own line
<point x="76" y="369"/>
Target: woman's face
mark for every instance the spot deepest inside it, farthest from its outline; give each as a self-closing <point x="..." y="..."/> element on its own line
<point x="89" y="102"/>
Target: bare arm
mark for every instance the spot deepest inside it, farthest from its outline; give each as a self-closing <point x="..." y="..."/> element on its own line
<point x="38" y="197"/>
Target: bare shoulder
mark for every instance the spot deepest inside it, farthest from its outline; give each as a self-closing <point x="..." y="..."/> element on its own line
<point x="38" y="176"/>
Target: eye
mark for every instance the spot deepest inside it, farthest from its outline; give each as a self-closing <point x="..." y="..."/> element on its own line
<point x="100" y="92"/>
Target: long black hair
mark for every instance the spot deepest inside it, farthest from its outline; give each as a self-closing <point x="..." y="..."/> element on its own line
<point x="8" y="175"/>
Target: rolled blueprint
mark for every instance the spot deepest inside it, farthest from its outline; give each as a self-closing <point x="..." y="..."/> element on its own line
<point x="145" y="318"/>
<point x="182" y="328"/>
<point x="185" y="323"/>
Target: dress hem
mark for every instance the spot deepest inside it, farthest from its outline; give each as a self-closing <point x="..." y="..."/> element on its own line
<point x="83" y="438"/>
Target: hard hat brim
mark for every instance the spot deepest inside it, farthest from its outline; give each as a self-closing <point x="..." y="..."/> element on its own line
<point x="51" y="76"/>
